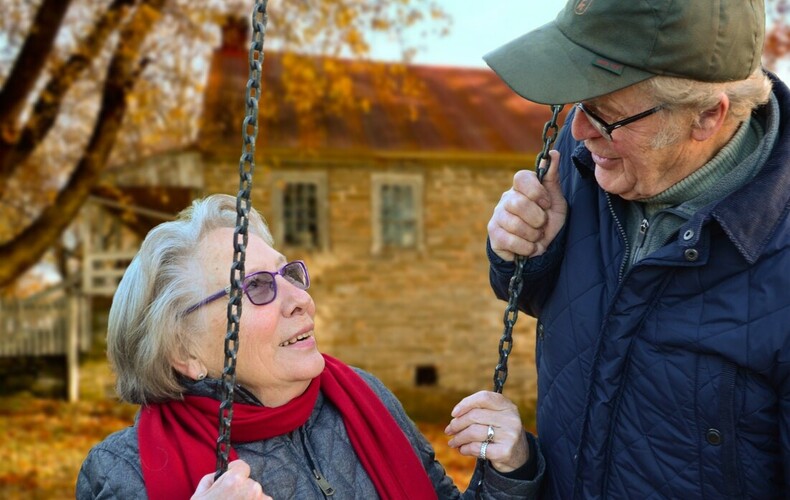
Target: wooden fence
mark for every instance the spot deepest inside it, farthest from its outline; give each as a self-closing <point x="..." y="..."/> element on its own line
<point x="46" y="324"/>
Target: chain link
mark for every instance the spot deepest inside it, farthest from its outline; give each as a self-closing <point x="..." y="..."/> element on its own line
<point x="249" y="134"/>
<point x="550" y="131"/>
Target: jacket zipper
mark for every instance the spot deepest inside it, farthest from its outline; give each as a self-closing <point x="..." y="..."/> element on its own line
<point x="643" y="227"/>
<point x="323" y="483"/>
<point x="623" y="235"/>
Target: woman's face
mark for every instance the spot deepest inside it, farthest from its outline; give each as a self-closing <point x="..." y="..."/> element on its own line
<point x="277" y="352"/>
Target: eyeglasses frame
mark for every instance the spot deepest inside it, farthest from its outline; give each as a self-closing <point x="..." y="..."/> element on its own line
<point x="274" y="274"/>
<point x="606" y="129"/>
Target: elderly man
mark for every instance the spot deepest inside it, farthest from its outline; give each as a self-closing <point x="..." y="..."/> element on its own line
<point x="657" y="250"/>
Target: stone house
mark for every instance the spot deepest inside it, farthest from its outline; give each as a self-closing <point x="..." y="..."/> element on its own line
<point x="388" y="205"/>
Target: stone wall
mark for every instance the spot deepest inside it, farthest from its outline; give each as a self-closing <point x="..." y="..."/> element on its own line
<point x="398" y="313"/>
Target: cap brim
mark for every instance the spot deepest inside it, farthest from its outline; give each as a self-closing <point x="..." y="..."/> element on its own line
<point x="546" y="67"/>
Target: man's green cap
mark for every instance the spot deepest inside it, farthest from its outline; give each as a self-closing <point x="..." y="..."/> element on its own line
<point x="595" y="47"/>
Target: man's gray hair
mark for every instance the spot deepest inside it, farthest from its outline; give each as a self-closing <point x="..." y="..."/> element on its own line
<point x="147" y="328"/>
<point x="745" y="95"/>
<point x="689" y="98"/>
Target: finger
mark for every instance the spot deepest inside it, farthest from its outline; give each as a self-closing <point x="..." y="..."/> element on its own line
<point x="518" y="212"/>
<point x="472" y="449"/>
<point x="238" y="472"/>
<point x="205" y="483"/>
<point x="506" y="244"/>
<point x="526" y="183"/>
<point x="473" y="433"/>
<point x="237" y="480"/>
<point x="484" y="408"/>
<point x="481" y="399"/>
<point x="551" y="181"/>
<point x="239" y="468"/>
<point x="504" y="457"/>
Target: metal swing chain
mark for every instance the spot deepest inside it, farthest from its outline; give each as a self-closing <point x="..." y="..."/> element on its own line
<point x="550" y="131"/>
<point x="249" y="132"/>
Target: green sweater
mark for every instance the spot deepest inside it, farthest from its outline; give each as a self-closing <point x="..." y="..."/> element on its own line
<point x="652" y="222"/>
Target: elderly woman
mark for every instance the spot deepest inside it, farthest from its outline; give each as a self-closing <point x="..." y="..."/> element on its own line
<point x="304" y="425"/>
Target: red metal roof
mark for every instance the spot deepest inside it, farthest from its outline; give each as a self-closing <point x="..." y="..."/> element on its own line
<point x="463" y="110"/>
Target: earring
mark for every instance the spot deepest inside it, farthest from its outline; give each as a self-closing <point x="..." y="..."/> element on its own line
<point x="201" y="376"/>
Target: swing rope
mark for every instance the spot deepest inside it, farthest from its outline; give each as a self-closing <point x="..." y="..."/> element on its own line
<point x="249" y="134"/>
<point x="550" y="132"/>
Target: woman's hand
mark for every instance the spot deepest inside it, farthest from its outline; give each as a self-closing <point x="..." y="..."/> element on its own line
<point x="529" y="215"/>
<point x="507" y="449"/>
<point x="234" y="484"/>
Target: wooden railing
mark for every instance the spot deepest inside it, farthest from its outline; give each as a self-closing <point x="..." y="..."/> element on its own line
<point x="50" y="323"/>
<point x="39" y="325"/>
<point x="102" y="271"/>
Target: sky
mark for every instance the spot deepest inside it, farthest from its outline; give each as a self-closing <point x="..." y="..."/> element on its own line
<point x="477" y="28"/>
<point x="475" y="31"/>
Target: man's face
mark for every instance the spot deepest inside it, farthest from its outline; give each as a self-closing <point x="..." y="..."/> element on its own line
<point x="629" y="165"/>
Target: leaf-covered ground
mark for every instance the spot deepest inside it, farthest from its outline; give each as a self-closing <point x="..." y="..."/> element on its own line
<point x="44" y="441"/>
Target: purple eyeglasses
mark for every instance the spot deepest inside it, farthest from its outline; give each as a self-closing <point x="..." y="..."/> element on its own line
<point x="261" y="287"/>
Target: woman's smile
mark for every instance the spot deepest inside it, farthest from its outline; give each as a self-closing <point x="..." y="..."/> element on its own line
<point x="303" y="339"/>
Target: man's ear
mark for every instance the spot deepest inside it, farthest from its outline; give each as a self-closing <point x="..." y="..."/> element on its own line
<point x="711" y="120"/>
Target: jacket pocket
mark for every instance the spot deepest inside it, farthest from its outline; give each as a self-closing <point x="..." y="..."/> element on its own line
<point x="729" y="457"/>
<point x="718" y="427"/>
<point x="539" y="335"/>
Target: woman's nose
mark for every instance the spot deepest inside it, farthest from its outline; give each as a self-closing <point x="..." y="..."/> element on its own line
<point x="295" y="299"/>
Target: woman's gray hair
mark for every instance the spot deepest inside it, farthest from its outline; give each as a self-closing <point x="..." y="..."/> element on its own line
<point x="690" y="98"/>
<point x="147" y="328"/>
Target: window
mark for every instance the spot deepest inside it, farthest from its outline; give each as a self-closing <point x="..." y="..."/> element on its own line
<point x="398" y="224"/>
<point x="397" y="211"/>
<point x="300" y="209"/>
<point x="300" y="214"/>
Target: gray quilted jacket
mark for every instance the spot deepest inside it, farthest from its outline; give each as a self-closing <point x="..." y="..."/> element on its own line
<point x="287" y="465"/>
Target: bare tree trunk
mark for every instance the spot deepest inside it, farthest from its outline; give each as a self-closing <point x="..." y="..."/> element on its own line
<point x="29" y="246"/>
<point x="29" y="64"/>
<point x="18" y="142"/>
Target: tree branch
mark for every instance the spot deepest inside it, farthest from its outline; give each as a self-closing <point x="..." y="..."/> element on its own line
<point x="29" y="246"/>
<point x="45" y="111"/>
<point x="29" y="64"/>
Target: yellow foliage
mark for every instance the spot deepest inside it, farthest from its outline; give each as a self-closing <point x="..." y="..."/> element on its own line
<point x="380" y="24"/>
<point x="164" y="103"/>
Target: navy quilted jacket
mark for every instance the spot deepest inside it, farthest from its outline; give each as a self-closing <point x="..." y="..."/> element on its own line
<point x="670" y="380"/>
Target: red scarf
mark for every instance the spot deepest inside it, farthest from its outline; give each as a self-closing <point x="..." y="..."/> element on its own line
<point x="178" y="439"/>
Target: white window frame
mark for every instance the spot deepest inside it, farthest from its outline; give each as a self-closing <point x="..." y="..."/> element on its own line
<point x="379" y="180"/>
<point x="279" y="180"/>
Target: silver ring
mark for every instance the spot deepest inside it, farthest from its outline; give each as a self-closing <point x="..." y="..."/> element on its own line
<point x="483" y="450"/>
<point x="490" y="435"/>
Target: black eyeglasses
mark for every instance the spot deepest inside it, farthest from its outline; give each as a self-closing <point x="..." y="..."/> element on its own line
<point x="261" y="287"/>
<point x="606" y="129"/>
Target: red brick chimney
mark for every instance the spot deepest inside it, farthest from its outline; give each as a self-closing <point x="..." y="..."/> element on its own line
<point x="235" y="34"/>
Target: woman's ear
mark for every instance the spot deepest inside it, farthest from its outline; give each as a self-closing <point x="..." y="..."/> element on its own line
<point x="189" y="366"/>
<point x="711" y="121"/>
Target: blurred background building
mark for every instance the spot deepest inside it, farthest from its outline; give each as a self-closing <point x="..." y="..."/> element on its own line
<point x="387" y="203"/>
